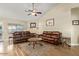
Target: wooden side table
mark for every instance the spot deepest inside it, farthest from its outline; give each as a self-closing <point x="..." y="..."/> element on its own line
<point x="64" y="41"/>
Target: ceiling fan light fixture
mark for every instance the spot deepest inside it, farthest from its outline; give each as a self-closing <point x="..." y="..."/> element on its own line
<point x="33" y="13"/>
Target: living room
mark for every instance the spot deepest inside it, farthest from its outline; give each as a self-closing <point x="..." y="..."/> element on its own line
<point x="59" y="19"/>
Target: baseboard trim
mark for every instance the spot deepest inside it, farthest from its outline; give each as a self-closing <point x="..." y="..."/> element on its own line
<point x="74" y="44"/>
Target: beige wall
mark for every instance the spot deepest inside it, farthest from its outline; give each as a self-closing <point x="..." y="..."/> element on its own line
<point x="33" y="30"/>
<point x="38" y="28"/>
<point x="61" y="15"/>
<point x="63" y="21"/>
<point x="75" y="33"/>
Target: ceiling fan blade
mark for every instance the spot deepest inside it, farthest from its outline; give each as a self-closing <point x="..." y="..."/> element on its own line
<point x="39" y="12"/>
<point x="29" y="14"/>
<point x="25" y="10"/>
<point x="28" y="10"/>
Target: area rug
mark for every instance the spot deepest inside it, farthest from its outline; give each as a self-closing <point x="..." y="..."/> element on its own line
<point x="45" y="50"/>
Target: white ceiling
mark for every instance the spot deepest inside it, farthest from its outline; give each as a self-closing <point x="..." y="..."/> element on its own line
<point x="16" y="10"/>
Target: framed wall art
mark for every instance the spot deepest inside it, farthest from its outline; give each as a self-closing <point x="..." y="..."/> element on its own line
<point x="75" y="22"/>
<point x="50" y="22"/>
<point x="32" y="25"/>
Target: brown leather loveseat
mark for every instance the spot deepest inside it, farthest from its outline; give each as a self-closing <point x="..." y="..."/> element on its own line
<point x="21" y="36"/>
<point x="53" y="37"/>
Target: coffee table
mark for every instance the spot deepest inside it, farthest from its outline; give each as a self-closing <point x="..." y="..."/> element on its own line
<point x="35" y="41"/>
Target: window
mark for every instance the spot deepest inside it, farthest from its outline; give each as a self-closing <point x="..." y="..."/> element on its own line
<point x="15" y="27"/>
<point x="19" y="27"/>
<point x="12" y="28"/>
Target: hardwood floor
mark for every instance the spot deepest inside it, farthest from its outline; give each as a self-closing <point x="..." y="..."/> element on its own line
<point x="24" y="49"/>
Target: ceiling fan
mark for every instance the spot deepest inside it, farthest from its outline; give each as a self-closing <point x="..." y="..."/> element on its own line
<point x="33" y="11"/>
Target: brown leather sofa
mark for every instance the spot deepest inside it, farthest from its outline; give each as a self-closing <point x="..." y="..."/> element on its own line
<point x="53" y="37"/>
<point x="21" y="36"/>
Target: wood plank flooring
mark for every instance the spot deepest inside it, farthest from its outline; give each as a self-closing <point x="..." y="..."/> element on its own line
<point x="24" y="49"/>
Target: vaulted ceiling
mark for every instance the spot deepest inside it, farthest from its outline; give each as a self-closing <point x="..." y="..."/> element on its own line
<point x="16" y="10"/>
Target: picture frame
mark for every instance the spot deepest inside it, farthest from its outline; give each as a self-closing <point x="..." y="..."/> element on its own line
<point x="75" y="22"/>
<point x="50" y="22"/>
<point x="33" y="25"/>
